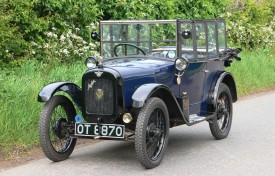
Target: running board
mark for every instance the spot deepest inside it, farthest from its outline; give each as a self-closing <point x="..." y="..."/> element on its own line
<point x="194" y="118"/>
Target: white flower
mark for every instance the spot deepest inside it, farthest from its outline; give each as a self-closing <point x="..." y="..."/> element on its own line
<point x="54" y="36"/>
<point x="46" y="45"/>
<point x="65" y="51"/>
<point x="7" y="51"/>
<point x="33" y="43"/>
<point x="77" y="29"/>
<point x="53" y="28"/>
<point x="33" y="52"/>
<point x="86" y="47"/>
<point x="49" y="34"/>
<point x="62" y="38"/>
<point x="228" y="14"/>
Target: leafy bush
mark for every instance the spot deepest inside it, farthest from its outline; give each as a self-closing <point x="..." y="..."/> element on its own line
<point x="200" y="9"/>
<point x="67" y="47"/>
<point x="25" y="22"/>
<point x="64" y="13"/>
<point x="169" y="9"/>
<point x="251" y="24"/>
<point x="136" y="9"/>
<point x="13" y="45"/>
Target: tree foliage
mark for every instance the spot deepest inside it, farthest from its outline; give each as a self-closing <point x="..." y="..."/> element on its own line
<point x="22" y="23"/>
<point x="251" y="23"/>
<point x="137" y="9"/>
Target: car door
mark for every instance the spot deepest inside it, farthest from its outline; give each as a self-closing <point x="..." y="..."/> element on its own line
<point x="216" y="43"/>
<point x="193" y="47"/>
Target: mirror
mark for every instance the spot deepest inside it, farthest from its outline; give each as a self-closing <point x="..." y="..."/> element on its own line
<point x="95" y="36"/>
<point x="186" y="34"/>
<point x="139" y="27"/>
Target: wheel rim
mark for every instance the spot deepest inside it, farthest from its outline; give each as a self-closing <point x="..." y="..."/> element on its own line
<point x="224" y="111"/>
<point x="60" y="142"/>
<point x="155" y="134"/>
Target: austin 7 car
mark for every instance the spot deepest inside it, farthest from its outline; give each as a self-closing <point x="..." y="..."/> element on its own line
<point x="150" y="76"/>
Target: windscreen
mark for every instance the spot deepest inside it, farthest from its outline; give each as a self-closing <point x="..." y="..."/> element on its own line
<point x="202" y="39"/>
<point x="156" y="38"/>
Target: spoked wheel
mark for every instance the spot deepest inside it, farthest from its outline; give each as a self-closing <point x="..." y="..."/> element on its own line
<point x="151" y="134"/>
<point x="220" y="125"/>
<point x="56" y="143"/>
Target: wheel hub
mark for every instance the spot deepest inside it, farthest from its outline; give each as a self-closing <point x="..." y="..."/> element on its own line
<point x="152" y="130"/>
<point x="221" y="111"/>
<point x="59" y="129"/>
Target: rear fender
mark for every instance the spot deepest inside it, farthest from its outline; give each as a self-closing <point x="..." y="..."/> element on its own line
<point x="71" y="89"/>
<point x="228" y="79"/>
<point x="146" y="91"/>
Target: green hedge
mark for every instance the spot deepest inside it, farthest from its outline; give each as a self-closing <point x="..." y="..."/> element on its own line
<point x="250" y="23"/>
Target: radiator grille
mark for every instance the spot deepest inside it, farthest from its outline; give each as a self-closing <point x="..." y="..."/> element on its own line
<point x="99" y="96"/>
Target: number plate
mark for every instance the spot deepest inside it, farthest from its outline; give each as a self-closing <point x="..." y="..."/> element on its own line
<point x="102" y="130"/>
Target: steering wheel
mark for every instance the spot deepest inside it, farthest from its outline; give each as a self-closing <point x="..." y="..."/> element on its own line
<point x="125" y="45"/>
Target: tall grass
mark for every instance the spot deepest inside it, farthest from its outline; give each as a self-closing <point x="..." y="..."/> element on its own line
<point x="256" y="71"/>
<point x="19" y="109"/>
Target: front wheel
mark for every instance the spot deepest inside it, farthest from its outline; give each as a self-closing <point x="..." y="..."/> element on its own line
<point x="56" y="143"/>
<point x="221" y="123"/>
<point x="151" y="134"/>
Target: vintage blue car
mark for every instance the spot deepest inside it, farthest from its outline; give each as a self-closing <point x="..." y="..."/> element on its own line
<point x="152" y="75"/>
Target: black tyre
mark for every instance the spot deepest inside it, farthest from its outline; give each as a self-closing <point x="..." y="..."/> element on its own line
<point x="57" y="145"/>
<point x="151" y="134"/>
<point x="220" y="125"/>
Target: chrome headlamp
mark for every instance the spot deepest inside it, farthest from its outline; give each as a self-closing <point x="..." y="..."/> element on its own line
<point x="181" y="64"/>
<point x="91" y="62"/>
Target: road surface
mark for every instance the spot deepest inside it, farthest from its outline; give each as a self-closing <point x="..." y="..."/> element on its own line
<point x="248" y="150"/>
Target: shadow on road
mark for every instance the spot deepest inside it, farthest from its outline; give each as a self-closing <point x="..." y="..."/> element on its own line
<point x="182" y="141"/>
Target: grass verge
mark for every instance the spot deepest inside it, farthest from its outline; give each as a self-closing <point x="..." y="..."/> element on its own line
<point x="256" y="71"/>
<point x="19" y="109"/>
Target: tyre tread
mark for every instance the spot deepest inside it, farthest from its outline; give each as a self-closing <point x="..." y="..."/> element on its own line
<point x="214" y="127"/>
<point x="45" y="142"/>
<point x="141" y="123"/>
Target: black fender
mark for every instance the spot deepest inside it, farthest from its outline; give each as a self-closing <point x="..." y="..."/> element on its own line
<point x="228" y="79"/>
<point x="73" y="90"/>
<point x="146" y="91"/>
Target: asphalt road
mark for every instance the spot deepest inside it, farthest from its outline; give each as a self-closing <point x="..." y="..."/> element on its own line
<point x="248" y="150"/>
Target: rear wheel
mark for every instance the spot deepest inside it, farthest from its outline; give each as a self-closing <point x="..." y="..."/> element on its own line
<point x="220" y="125"/>
<point x="56" y="143"/>
<point x="151" y="134"/>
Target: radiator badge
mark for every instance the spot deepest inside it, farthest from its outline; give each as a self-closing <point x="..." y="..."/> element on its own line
<point x="91" y="84"/>
<point x="99" y="94"/>
<point x="98" y="73"/>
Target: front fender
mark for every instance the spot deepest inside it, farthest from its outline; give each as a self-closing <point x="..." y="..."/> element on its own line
<point x="146" y="91"/>
<point x="143" y="93"/>
<point x="71" y="89"/>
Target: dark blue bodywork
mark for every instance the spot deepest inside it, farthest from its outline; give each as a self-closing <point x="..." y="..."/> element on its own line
<point x="148" y="70"/>
<point x="137" y="71"/>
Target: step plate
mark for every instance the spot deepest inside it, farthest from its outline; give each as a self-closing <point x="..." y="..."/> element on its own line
<point x="195" y="118"/>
